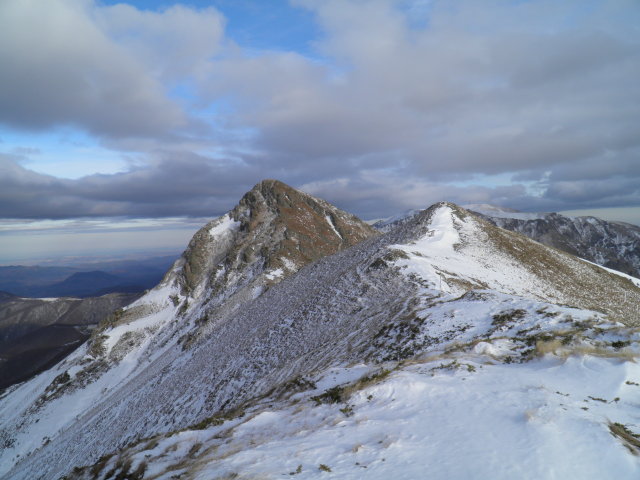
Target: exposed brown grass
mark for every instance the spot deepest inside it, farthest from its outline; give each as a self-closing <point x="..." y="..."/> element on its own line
<point x="627" y="437"/>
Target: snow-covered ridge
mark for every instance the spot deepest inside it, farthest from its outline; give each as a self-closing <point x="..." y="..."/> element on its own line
<point x="458" y="251"/>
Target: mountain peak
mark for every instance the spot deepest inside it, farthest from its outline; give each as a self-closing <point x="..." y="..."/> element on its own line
<point x="277" y="197"/>
<point x="273" y="232"/>
<point x="459" y="251"/>
<point x="271" y="185"/>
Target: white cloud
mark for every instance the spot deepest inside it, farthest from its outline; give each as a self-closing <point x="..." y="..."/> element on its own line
<point x="101" y="69"/>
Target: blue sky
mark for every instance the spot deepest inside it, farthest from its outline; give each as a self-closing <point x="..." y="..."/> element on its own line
<point x="112" y="113"/>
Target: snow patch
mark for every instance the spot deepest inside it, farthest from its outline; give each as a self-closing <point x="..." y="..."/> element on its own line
<point x="332" y="225"/>
<point x="528" y="421"/>
<point x="225" y="224"/>
<point x="289" y="265"/>
<point x="273" y="274"/>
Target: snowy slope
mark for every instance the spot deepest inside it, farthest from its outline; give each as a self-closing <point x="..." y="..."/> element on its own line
<point x="229" y="262"/>
<point x="443" y="283"/>
<point x="614" y="245"/>
<point x="474" y="404"/>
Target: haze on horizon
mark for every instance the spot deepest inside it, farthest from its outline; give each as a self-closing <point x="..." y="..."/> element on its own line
<point x="128" y="124"/>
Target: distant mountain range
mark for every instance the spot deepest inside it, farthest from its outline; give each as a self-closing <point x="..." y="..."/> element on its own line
<point x="84" y="281"/>
<point x="291" y="338"/>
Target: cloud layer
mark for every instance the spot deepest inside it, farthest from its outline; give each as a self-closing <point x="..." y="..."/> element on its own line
<point x="531" y="105"/>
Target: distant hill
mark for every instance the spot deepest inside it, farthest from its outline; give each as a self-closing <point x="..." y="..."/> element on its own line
<point x="611" y="244"/>
<point x="82" y="284"/>
<point x="5" y="296"/>
<point x="89" y="280"/>
<point x="36" y="333"/>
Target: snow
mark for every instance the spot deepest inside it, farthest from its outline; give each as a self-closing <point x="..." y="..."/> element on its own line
<point x="464" y="414"/>
<point x="332" y="225"/>
<point x="454" y="250"/>
<point x="273" y="274"/>
<point x="226" y="224"/>
<point x="289" y="265"/>
<point x="543" y="419"/>
<point x="341" y="375"/>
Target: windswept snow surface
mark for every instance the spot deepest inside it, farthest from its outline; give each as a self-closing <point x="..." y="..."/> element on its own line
<point x="273" y="274"/>
<point x="534" y="421"/>
<point x="468" y="413"/>
<point x="455" y="252"/>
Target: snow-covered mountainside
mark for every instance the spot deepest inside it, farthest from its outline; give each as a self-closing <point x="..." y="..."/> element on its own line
<point x="269" y="235"/>
<point x="614" y="245"/>
<point x="292" y="339"/>
<point x="481" y="402"/>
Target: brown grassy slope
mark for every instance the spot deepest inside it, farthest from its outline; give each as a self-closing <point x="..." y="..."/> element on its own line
<point x="568" y="279"/>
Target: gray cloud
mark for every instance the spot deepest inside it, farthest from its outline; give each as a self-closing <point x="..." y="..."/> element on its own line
<point x="191" y="185"/>
<point x="369" y="195"/>
<point x="69" y="62"/>
<point x="397" y="111"/>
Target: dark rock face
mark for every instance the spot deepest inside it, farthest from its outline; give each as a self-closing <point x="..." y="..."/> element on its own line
<point x="614" y="245"/>
<point x="274" y="231"/>
<point x="303" y="228"/>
